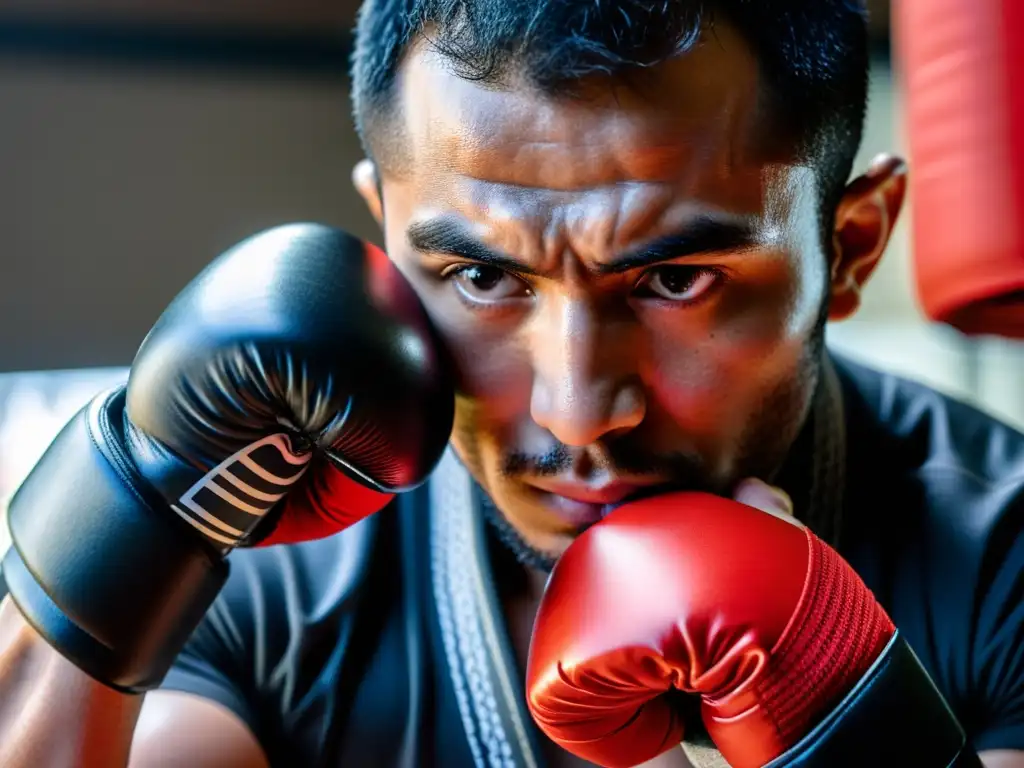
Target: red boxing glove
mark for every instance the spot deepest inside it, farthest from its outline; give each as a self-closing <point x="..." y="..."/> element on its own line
<point x="700" y="594"/>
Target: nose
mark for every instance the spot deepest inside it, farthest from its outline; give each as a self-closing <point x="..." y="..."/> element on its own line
<point x="585" y="384"/>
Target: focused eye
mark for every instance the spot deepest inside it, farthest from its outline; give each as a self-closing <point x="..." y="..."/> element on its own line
<point x="482" y="284"/>
<point x="679" y="283"/>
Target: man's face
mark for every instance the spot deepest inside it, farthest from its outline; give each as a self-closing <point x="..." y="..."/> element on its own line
<point x="630" y="281"/>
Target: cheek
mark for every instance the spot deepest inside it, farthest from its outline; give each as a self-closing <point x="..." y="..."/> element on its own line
<point x="492" y="366"/>
<point x="494" y="383"/>
<point x="773" y="307"/>
<point x="492" y="372"/>
<point x="714" y="371"/>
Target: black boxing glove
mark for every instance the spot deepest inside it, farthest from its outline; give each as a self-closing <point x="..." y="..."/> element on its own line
<point x="289" y="391"/>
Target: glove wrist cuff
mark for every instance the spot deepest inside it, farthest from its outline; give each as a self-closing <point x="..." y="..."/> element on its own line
<point x="98" y="566"/>
<point x="837" y="626"/>
<point x="894" y="716"/>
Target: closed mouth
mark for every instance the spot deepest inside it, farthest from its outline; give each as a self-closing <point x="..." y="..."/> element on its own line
<point x="581" y="505"/>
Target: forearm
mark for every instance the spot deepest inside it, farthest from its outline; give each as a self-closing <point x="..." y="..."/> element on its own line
<point x="894" y="717"/>
<point x="51" y="713"/>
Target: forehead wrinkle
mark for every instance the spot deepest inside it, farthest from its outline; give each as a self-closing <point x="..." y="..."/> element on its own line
<point x="597" y="175"/>
<point x="544" y="227"/>
<point x="571" y="165"/>
<point x="553" y="241"/>
<point x="600" y="226"/>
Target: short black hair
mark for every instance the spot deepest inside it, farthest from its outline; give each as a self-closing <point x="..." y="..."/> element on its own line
<point x="814" y="55"/>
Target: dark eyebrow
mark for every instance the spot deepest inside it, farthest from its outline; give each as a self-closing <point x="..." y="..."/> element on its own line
<point x="450" y="237"/>
<point x="703" y="235"/>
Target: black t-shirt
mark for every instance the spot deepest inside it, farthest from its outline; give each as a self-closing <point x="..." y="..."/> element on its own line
<point x="385" y="645"/>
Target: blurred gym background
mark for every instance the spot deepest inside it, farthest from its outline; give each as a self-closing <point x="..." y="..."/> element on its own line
<point x="139" y="139"/>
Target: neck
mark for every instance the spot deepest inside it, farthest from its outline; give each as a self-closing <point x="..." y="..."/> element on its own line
<point x="814" y="471"/>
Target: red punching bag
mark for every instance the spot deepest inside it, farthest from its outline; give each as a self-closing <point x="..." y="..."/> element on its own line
<point x="962" y="68"/>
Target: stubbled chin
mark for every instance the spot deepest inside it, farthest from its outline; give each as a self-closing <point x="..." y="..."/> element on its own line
<point x="540" y="532"/>
<point x="555" y="546"/>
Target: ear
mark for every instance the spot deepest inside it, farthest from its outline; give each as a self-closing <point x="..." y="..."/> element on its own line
<point x="864" y="222"/>
<point x="364" y="177"/>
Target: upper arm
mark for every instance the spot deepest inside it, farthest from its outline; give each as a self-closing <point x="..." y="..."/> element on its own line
<point x="181" y="730"/>
<point x="224" y="689"/>
<point x="206" y="710"/>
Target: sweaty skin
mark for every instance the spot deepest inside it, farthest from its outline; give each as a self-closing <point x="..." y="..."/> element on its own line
<point x="517" y="218"/>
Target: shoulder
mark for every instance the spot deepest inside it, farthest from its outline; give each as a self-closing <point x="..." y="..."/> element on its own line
<point x="930" y="478"/>
<point x="927" y="430"/>
<point x="954" y="470"/>
<point x="929" y="475"/>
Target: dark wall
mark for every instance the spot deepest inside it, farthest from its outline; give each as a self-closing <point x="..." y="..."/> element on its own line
<point x="117" y="186"/>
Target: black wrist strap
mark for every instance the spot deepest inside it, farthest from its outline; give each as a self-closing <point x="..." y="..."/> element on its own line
<point x="894" y="717"/>
<point x="99" y="566"/>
